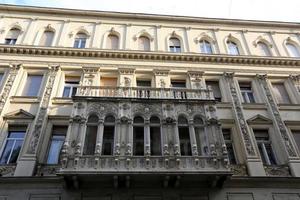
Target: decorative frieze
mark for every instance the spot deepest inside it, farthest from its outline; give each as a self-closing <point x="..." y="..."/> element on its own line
<point x="278" y="170"/>
<point x="13" y="71"/>
<point x="42" y="113"/>
<point x="274" y="112"/>
<point x="239" y="115"/>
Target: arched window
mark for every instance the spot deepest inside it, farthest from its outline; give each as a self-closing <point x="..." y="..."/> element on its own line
<point x="12" y="36"/>
<point x="264" y="49"/>
<point x="80" y="40"/>
<point x="233" y="48"/>
<point x="184" y="136"/>
<point x="91" y="135"/>
<point x="108" y="135"/>
<point x="174" y="45"/>
<point x="293" y="50"/>
<point x="205" y="47"/>
<point x="112" y="42"/>
<point x="155" y="136"/>
<point x="200" y="136"/>
<point x="47" y="38"/>
<point x="144" y="43"/>
<point x="138" y="136"/>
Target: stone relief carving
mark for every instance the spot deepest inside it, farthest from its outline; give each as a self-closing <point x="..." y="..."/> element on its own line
<point x="42" y="113"/>
<point x="282" y="171"/>
<point x="13" y="71"/>
<point x="238" y="111"/>
<point x="274" y="111"/>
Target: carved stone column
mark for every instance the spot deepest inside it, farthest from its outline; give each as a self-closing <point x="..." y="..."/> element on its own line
<point x="279" y="127"/>
<point x="30" y="33"/>
<point x="12" y="74"/>
<point x="96" y="39"/>
<point x="26" y="164"/>
<point x="147" y="148"/>
<point x="63" y="34"/>
<point x="254" y="164"/>
<point x="98" y="150"/>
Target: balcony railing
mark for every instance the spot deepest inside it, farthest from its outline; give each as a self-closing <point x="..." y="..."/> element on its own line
<point x="108" y="164"/>
<point x="145" y="93"/>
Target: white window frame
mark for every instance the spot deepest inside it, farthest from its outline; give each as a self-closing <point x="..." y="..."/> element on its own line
<point x="72" y="87"/>
<point x="246" y="92"/>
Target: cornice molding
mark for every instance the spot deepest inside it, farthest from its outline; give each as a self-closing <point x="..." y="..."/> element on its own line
<point x="151" y="56"/>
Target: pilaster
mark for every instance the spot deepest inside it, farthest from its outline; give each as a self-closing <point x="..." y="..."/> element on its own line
<point x="26" y="164"/>
<point x="95" y="43"/>
<point x="28" y="38"/>
<point x="61" y="42"/>
<point x="279" y="127"/>
<point x="254" y="164"/>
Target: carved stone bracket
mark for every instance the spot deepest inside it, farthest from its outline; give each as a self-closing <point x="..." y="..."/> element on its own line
<point x="274" y="111"/>
<point x="239" y="116"/>
<point x="13" y="71"/>
<point x="42" y="113"/>
<point x="239" y="170"/>
<point x="282" y="171"/>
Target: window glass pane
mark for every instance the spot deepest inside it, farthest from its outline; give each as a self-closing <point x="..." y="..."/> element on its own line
<point x="233" y="48"/>
<point x="56" y="143"/>
<point x="112" y="42"/>
<point x="201" y="140"/>
<point x="215" y="88"/>
<point x="90" y="140"/>
<point x="144" y="43"/>
<point x="178" y="83"/>
<point x="155" y="143"/>
<point x="264" y="49"/>
<point x="32" y="85"/>
<point x="143" y="83"/>
<point x="270" y="154"/>
<point x="174" y="45"/>
<point x="293" y="50"/>
<point x="138" y="141"/>
<point x="67" y="91"/>
<point x="107" y="81"/>
<point x="185" y="143"/>
<point x="47" y="38"/>
<point x="280" y="93"/>
<point x="108" y="140"/>
<point x="7" y="151"/>
<point x="205" y="47"/>
<point x="296" y="134"/>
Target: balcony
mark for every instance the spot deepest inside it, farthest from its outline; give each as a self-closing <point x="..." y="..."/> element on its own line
<point x="144" y="164"/>
<point x="146" y="93"/>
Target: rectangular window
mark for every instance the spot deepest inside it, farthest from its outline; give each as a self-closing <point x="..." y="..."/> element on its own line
<point x="264" y="146"/>
<point x="296" y="135"/>
<point x="138" y="140"/>
<point x="214" y="85"/>
<point x="280" y="93"/>
<point x="108" y="81"/>
<point x="228" y="141"/>
<point x="155" y="144"/>
<point x="10" y="41"/>
<point x="143" y="83"/>
<point x="13" y="145"/>
<point x="80" y="43"/>
<point x="56" y="143"/>
<point x="90" y="140"/>
<point x="178" y="83"/>
<point x="108" y="140"/>
<point x="185" y="142"/>
<point x="247" y="93"/>
<point x="32" y="85"/>
<point x="70" y="88"/>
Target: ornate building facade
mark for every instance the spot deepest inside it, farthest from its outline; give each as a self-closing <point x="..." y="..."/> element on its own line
<point x="113" y="106"/>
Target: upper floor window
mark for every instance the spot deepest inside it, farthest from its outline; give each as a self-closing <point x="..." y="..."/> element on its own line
<point x="144" y="43"/>
<point x="174" y="45"/>
<point x="155" y="136"/>
<point x="109" y="81"/>
<point x="70" y="88"/>
<point x="47" y="38"/>
<point x="138" y="136"/>
<point x="233" y="48"/>
<point x="91" y="135"/>
<point x="184" y="136"/>
<point x="205" y="47"/>
<point x="214" y="85"/>
<point x="264" y="146"/>
<point x="13" y="145"/>
<point x="108" y="135"/>
<point x="247" y="92"/>
<point x="229" y="146"/>
<point x="296" y="135"/>
<point x="293" y="50"/>
<point x="32" y="85"/>
<point x="56" y="143"/>
<point x="178" y="83"/>
<point x="80" y="40"/>
<point x="264" y="49"/>
<point x="200" y="136"/>
<point x="280" y="93"/>
<point x="12" y="36"/>
<point x="112" y="42"/>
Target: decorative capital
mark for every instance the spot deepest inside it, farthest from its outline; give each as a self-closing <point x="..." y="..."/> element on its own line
<point x="228" y="74"/>
<point x="295" y="77"/>
<point x="127" y="71"/>
<point x="90" y="70"/>
<point x="261" y="76"/>
<point x="161" y="72"/>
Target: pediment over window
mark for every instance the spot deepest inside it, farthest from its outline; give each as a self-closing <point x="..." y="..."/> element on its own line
<point x="19" y="114"/>
<point x="259" y="119"/>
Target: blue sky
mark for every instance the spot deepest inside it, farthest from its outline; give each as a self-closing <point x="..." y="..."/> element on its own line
<point x="274" y="10"/>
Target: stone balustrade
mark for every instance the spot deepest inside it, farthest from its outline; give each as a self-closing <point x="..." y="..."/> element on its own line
<point x="107" y="164"/>
<point x="145" y="93"/>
